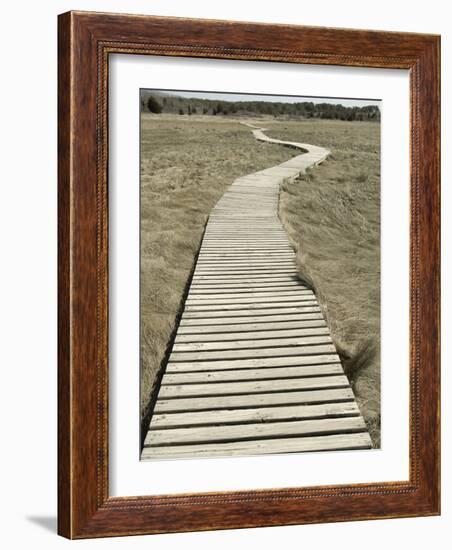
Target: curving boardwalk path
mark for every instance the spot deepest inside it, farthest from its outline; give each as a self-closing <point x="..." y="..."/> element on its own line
<point x="253" y="369"/>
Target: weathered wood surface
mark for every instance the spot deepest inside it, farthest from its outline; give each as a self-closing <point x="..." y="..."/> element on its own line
<point x="253" y="369"/>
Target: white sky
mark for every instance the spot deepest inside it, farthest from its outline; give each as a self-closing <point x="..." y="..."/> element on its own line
<point x="220" y="96"/>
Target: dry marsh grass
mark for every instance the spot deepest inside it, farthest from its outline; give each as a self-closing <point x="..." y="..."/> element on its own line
<point x="186" y="165"/>
<point x="332" y="216"/>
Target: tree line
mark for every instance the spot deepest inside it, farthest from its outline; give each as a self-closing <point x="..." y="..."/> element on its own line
<point x="159" y="103"/>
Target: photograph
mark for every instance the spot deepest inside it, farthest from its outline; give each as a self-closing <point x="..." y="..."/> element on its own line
<point x="248" y="270"/>
<point x="259" y="274"/>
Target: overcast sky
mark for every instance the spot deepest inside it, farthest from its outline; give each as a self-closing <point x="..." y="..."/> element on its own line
<point x="219" y="96"/>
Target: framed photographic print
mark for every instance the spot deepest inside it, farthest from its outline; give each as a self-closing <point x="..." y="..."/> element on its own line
<point x="248" y="275"/>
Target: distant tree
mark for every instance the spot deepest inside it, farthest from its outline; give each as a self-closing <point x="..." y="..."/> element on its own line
<point x="153" y="105"/>
<point x="151" y="102"/>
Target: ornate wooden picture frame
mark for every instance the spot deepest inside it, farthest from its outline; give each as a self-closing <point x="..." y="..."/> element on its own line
<point x="85" y="42"/>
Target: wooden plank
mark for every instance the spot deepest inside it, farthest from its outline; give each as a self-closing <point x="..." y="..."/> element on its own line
<point x="254" y="299"/>
<point x="246" y="248"/>
<point x="212" y="297"/>
<point x="238" y="204"/>
<point x="250" y="277"/>
<point x="234" y="264"/>
<point x="220" y="290"/>
<point x="257" y="307"/>
<point x="206" y="288"/>
<point x="252" y="432"/>
<point x="267" y="197"/>
<point x="244" y="239"/>
<point x="247" y="260"/>
<point x="227" y="214"/>
<point x="245" y="265"/>
<point x="223" y="271"/>
<point x="250" y="312"/>
<point x="225" y="283"/>
<point x="250" y="292"/>
<point x="279" y="249"/>
<point x="233" y="197"/>
<point x="247" y="278"/>
<point x="269" y="446"/>
<point x="238" y="255"/>
<point x="244" y="218"/>
<point x="237" y="211"/>
<point x="247" y="235"/>
<point x="243" y="221"/>
<point x="298" y="350"/>
<point x="209" y="328"/>
<point x="302" y="340"/>
<point x="256" y="363"/>
<point x="173" y="376"/>
<point x="229" y="274"/>
<point x="247" y="388"/>
<point x="235" y="251"/>
<point x="264" y="226"/>
<point x="246" y="416"/>
<point x="230" y="246"/>
<point x="252" y="319"/>
<point x="250" y="335"/>
<point x="252" y="401"/>
<point x="254" y="231"/>
<point x="223" y="238"/>
<point x="223" y="234"/>
<point x="254" y="290"/>
<point x="266" y="207"/>
<point x="292" y="281"/>
<point x="259" y="246"/>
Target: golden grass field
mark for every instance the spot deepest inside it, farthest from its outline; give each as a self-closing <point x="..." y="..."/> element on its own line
<point x="331" y="215"/>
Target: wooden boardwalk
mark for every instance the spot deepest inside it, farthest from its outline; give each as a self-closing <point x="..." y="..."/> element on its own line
<point x="253" y="369"/>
